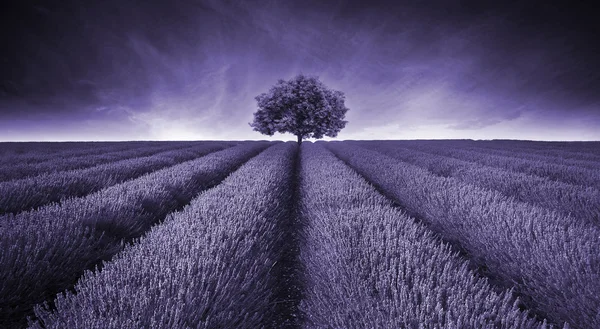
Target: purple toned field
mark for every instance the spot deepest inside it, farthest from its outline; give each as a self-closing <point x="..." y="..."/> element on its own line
<point x="353" y="234"/>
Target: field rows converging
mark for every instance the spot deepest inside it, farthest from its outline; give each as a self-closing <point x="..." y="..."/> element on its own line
<point x="539" y="156"/>
<point x="35" y="150"/>
<point x="46" y="250"/>
<point x="551" y="260"/>
<point x="64" y="162"/>
<point x="368" y="265"/>
<point x="578" y="201"/>
<point x="570" y="150"/>
<point x="33" y="192"/>
<point x="33" y="153"/>
<point x="208" y="266"/>
<point x="558" y="156"/>
<point x="562" y="157"/>
<point x="342" y="235"/>
<point x="562" y="173"/>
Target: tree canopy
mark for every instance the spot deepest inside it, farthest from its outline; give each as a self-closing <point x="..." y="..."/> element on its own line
<point x="303" y="106"/>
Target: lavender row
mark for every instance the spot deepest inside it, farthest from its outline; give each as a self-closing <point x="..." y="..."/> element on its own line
<point x="208" y="266"/>
<point x="559" y="158"/>
<point x="556" y="172"/>
<point x="550" y="259"/>
<point x="41" y="152"/>
<point x="43" y="252"/>
<point x="369" y="265"/>
<point x="578" y="201"/>
<point x="568" y="152"/>
<point x="29" y="193"/>
<point x="563" y="156"/>
<point x="23" y="148"/>
<point x="65" y="163"/>
<point x="572" y="152"/>
<point x="578" y="147"/>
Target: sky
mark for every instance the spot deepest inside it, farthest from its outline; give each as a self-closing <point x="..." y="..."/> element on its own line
<point x="190" y="69"/>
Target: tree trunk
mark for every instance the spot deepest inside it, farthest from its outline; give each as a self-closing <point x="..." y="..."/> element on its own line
<point x="299" y="139"/>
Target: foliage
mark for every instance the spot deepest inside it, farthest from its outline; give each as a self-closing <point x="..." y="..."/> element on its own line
<point x="578" y="201"/>
<point x="20" y="168"/>
<point x="371" y="266"/>
<point x="32" y="192"/>
<point x="303" y="106"/>
<point x="383" y="234"/>
<point x="208" y="266"/>
<point x="550" y="259"/>
<point x="43" y="252"/>
<point x="553" y="171"/>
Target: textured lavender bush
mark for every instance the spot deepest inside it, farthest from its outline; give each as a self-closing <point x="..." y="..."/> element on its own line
<point x="303" y="106"/>
<point x="550" y="259"/>
<point x="581" y="202"/>
<point x="523" y="150"/>
<point x="37" y="152"/>
<point x="561" y="158"/>
<point x="571" y="150"/>
<point x="64" y="162"/>
<point x="562" y="173"/>
<point x="28" y="148"/>
<point x="207" y="266"/>
<point x="28" y="193"/>
<point x="370" y="266"/>
<point x="43" y="252"/>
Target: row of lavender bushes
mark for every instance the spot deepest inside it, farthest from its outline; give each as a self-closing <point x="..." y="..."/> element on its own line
<point x="37" y="152"/>
<point x="550" y="259"/>
<point x="28" y="193"/>
<point x="25" y="148"/>
<point x="369" y="265"/>
<point x="64" y="162"/>
<point x="43" y="252"/>
<point x="208" y="266"/>
<point x="568" y="157"/>
<point x="562" y="158"/>
<point x="562" y="173"/>
<point x="570" y="150"/>
<point x="581" y="202"/>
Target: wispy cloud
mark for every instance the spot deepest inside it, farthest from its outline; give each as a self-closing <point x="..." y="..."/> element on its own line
<point x="192" y="69"/>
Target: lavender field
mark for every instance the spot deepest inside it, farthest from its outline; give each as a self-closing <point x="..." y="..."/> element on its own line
<point x="257" y="234"/>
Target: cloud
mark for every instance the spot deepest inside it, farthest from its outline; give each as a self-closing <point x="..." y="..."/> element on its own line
<point x="192" y="68"/>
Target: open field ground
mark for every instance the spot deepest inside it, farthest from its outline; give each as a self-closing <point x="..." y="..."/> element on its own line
<point x="255" y="234"/>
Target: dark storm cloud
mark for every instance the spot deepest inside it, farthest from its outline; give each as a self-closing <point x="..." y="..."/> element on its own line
<point x="192" y="68"/>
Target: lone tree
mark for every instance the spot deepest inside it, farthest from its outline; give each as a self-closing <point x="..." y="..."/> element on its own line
<point x="303" y="106"/>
